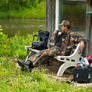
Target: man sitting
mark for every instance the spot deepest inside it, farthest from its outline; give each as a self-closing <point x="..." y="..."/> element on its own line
<point x="65" y="41"/>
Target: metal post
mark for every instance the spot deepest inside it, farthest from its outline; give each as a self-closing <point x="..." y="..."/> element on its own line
<point x="58" y="13"/>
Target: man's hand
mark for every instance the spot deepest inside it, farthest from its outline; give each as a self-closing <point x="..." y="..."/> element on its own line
<point x="55" y="31"/>
<point x="82" y="45"/>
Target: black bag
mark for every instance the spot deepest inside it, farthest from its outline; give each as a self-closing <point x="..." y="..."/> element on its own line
<point x="42" y="39"/>
<point x="82" y="74"/>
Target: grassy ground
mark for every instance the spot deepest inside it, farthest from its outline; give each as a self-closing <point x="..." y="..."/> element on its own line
<point x="12" y="79"/>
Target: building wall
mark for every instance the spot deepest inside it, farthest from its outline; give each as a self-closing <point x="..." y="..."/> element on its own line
<point x="50" y="15"/>
<point x="50" y="21"/>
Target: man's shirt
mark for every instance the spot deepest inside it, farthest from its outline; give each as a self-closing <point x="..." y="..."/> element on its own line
<point x="67" y="41"/>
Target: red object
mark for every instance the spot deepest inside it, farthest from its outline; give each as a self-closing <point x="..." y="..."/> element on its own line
<point x="88" y="58"/>
<point x="77" y="65"/>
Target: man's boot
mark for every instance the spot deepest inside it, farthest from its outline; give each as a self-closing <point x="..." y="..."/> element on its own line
<point x="25" y="65"/>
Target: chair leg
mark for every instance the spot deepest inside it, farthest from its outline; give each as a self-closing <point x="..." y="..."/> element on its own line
<point x="63" y="67"/>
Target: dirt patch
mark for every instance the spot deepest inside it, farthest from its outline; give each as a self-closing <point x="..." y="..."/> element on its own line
<point x="51" y="71"/>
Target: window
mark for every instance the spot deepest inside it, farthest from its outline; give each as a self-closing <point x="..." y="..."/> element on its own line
<point x="75" y="12"/>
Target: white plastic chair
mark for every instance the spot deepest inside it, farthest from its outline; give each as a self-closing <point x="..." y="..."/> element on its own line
<point x="68" y="61"/>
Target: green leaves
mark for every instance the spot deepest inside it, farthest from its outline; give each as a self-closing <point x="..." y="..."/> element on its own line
<point x="14" y="46"/>
<point x="1" y="28"/>
<point x="13" y="4"/>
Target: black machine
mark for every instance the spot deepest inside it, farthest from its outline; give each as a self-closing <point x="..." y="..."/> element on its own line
<point x="40" y="43"/>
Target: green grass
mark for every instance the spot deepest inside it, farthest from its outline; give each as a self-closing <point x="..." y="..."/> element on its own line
<point x="12" y="79"/>
<point x="37" y="12"/>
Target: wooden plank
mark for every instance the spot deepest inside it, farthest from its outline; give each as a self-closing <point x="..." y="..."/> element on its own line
<point x="46" y="15"/>
<point x="46" y="19"/>
<point x="53" y="15"/>
<point x="50" y="15"/>
<point x="89" y="28"/>
<point x="90" y="37"/>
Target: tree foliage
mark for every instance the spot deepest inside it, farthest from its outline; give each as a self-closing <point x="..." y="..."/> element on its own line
<point x="18" y="4"/>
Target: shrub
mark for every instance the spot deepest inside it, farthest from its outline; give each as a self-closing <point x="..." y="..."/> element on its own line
<point x="14" y="46"/>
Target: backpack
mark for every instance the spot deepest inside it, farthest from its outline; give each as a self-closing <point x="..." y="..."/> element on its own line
<point x="40" y="43"/>
<point x="82" y="74"/>
<point x="83" y="71"/>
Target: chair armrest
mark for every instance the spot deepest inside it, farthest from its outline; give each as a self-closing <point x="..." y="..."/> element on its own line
<point x="27" y="47"/>
<point x="51" y="44"/>
<point x="34" y="50"/>
<point x="74" y="57"/>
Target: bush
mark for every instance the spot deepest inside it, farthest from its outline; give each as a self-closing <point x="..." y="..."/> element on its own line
<point x="34" y="9"/>
<point x="14" y="46"/>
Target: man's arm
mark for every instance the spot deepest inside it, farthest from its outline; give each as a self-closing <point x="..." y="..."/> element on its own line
<point x="79" y="39"/>
<point x="55" y="32"/>
<point x="82" y="45"/>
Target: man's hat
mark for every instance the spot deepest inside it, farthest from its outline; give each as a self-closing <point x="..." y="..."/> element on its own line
<point x="65" y="23"/>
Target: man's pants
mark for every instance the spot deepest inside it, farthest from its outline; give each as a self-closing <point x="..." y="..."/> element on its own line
<point x="44" y="54"/>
